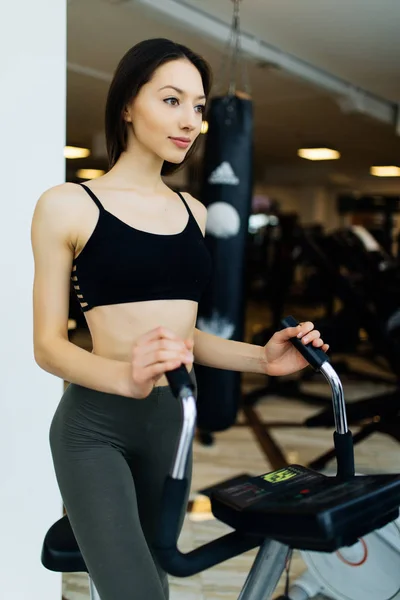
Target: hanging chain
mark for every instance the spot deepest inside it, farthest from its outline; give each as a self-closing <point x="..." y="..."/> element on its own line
<point x="237" y="61"/>
<point x="234" y="56"/>
<point x="235" y="44"/>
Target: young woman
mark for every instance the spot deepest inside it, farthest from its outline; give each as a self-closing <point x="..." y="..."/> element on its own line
<point x="136" y="254"/>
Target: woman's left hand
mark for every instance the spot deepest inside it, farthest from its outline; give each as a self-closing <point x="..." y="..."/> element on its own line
<point x="281" y="357"/>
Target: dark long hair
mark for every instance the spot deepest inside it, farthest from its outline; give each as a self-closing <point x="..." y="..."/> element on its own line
<point x="134" y="70"/>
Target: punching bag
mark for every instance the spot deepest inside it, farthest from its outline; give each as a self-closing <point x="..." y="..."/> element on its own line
<point x="226" y="191"/>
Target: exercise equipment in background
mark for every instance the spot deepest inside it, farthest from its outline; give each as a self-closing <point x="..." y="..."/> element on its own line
<point x="380" y="413"/>
<point x="379" y="210"/>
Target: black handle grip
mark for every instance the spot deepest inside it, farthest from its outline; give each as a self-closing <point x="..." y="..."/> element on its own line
<point x="179" y="379"/>
<point x="344" y="455"/>
<point x="315" y="356"/>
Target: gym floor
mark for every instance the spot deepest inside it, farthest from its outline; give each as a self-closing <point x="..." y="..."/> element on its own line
<point x="245" y="448"/>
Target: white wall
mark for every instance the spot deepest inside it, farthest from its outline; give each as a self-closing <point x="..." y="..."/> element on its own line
<point x="32" y="134"/>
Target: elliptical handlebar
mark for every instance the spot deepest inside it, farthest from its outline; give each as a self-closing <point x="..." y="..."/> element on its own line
<point x="183" y="388"/>
<point x="175" y="493"/>
<point x="319" y="361"/>
<point x="314" y="356"/>
<point x="342" y="437"/>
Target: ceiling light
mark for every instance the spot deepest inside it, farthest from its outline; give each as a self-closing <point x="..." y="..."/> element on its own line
<point x="204" y="127"/>
<point x="89" y="173"/>
<point x="75" y="152"/>
<point x="385" y="171"/>
<point x="318" y="153"/>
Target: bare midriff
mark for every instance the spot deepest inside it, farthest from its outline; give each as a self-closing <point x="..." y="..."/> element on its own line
<point x="115" y="329"/>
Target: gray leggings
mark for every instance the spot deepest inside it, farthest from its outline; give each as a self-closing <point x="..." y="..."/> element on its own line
<point x="111" y="455"/>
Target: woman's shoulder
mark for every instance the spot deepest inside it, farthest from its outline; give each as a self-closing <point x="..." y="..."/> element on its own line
<point x="59" y="194"/>
<point x="64" y="198"/>
<point x="60" y="206"/>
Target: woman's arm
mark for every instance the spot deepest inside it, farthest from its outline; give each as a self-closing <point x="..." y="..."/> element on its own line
<point x="52" y="245"/>
<point x="75" y="365"/>
<point x="212" y="351"/>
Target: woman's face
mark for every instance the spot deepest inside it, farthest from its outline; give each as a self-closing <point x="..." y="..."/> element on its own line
<point x="167" y="113"/>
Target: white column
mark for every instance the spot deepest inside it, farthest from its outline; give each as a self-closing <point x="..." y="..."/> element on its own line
<point x="32" y="137"/>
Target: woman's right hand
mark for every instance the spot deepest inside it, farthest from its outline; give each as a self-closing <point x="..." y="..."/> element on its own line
<point x="153" y="354"/>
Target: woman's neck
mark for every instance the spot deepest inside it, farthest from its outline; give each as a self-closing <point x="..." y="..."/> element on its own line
<point x="137" y="169"/>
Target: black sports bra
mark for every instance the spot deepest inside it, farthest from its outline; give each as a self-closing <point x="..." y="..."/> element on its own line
<point x="122" y="264"/>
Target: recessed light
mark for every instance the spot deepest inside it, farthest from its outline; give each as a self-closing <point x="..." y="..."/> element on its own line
<point x="75" y="152"/>
<point x="388" y="171"/>
<point x="89" y="173"/>
<point x="318" y="153"/>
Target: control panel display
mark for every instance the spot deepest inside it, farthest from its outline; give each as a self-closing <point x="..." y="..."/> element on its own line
<point x="279" y="476"/>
